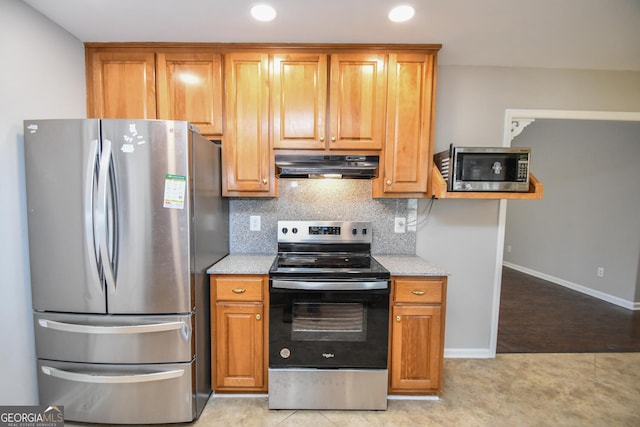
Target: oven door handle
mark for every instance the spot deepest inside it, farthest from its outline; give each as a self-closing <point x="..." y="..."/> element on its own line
<point x="329" y="285"/>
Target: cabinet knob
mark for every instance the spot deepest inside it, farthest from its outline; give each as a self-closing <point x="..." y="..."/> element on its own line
<point x="322" y="139"/>
<point x="398" y="318"/>
<point x="389" y="182"/>
<point x="333" y="139"/>
<point x="258" y="317"/>
<point x="239" y="291"/>
<point x="418" y="292"/>
<point x="264" y="181"/>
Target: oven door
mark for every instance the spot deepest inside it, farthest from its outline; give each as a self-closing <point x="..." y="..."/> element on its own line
<point x="328" y="324"/>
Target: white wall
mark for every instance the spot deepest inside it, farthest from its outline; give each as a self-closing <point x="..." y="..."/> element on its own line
<point x="589" y="215"/>
<point x="42" y="76"/>
<point x="462" y="235"/>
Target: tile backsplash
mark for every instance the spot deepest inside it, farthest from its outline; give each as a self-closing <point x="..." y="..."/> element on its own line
<point x="320" y="199"/>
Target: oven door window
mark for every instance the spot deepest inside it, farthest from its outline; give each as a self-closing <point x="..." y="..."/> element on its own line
<point x="328" y="321"/>
<point x="344" y="329"/>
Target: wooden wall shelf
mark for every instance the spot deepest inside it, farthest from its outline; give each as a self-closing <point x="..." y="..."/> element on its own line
<point x="439" y="190"/>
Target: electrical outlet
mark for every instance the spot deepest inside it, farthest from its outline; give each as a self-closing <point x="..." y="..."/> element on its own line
<point x="600" y="272"/>
<point x="400" y="225"/>
<point x="254" y="223"/>
<point x="508" y="249"/>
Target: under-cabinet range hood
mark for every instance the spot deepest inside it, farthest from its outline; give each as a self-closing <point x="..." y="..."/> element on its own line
<point x="326" y="166"/>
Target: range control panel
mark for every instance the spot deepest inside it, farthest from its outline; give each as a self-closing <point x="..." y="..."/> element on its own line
<point x="324" y="232"/>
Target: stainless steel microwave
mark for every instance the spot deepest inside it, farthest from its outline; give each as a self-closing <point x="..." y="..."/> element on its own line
<point x="485" y="168"/>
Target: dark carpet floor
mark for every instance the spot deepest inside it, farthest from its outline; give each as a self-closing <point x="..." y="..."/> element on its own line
<point x="537" y="316"/>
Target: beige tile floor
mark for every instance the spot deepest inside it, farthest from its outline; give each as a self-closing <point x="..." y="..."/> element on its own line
<point x="512" y="390"/>
<point x="600" y="389"/>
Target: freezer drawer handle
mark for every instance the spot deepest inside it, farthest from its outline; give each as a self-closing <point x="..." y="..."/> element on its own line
<point x="88" y="329"/>
<point x="111" y="379"/>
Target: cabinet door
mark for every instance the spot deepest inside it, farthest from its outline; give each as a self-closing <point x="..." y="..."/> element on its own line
<point x="121" y="84"/>
<point x="299" y="93"/>
<point x="190" y="88"/>
<point x="407" y="160"/>
<point x="357" y="101"/>
<point x="416" y="341"/>
<point x="239" y="346"/>
<point x="248" y="163"/>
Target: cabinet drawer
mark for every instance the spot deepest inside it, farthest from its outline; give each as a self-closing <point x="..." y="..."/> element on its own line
<point x="239" y="288"/>
<point x="418" y="291"/>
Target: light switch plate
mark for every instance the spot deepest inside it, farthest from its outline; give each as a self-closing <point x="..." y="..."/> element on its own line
<point x="254" y="223"/>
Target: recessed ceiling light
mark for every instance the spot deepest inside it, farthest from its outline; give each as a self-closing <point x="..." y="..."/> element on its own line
<point x="263" y="12"/>
<point x="401" y="13"/>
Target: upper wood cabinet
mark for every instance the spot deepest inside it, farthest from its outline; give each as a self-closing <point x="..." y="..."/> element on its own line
<point x="247" y="156"/>
<point x="299" y="99"/>
<point x="121" y="84"/>
<point x="257" y="98"/>
<point x="190" y="88"/>
<point x="156" y="82"/>
<point x="355" y="99"/>
<point x="406" y="160"/>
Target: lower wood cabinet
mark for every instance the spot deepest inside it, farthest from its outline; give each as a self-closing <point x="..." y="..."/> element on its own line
<point x="239" y="327"/>
<point x="416" y="346"/>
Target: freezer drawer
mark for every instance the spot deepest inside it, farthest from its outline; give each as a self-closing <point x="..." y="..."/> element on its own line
<point x="120" y="394"/>
<point x="114" y="339"/>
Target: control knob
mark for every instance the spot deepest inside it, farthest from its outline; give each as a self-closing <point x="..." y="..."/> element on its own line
<point x="285" y="230"/>
<point x="285" y="353"/>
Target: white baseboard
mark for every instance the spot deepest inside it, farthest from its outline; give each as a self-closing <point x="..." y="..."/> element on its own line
<point x="468" y="353"/>
<point x="629" y="305"/>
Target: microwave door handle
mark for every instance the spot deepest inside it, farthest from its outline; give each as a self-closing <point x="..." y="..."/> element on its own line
<point x="103" y="229"/>
<point x="90" y="228"/>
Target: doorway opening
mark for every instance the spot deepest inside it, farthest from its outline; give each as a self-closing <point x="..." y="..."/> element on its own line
<point x="515" y="121"/>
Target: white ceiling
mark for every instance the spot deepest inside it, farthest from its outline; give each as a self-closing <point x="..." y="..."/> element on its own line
<point x="586" y="34"/>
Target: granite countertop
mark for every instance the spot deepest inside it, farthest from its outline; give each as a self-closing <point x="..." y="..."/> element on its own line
<point x="398" y="265"/>
<point x="243" y="264"/>
<point x="409" y="265"/>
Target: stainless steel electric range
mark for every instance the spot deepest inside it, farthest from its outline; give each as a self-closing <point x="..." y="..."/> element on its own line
<point x="328" y="318"/>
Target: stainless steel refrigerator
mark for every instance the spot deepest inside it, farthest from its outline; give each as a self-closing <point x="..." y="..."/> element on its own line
<point x="124" y="216"/>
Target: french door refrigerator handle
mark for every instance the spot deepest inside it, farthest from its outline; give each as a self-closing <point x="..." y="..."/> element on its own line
<point x="103" y="182"/>
<point x="111" y="379"/>
<point x="91" y="329"/>
<point x="89" y="214"/>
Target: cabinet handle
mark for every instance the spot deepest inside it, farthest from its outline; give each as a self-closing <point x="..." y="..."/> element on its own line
<point x="398" y="318"/>
<point x="333" y="139"/>
<point x="258" y="317"/>
<point x="239" y="291"/>
<point x="418" y="292"/>
<point x="389" y="182"/>
<point x="322" y="139"/>
<point x="264" y="181"/>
